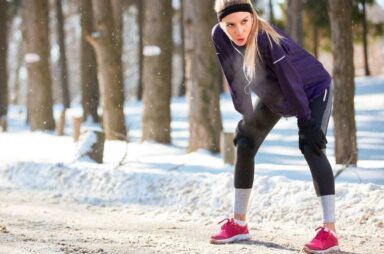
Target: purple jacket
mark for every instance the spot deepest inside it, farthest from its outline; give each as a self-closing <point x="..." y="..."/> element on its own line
<point x="287" y="77"/>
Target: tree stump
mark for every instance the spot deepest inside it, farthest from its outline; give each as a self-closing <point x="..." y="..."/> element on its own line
<point x="76" y="124"/>
<point x="60" y="124"/>
<point x="3" y="124"/>
<point x="227" y="148"/>
<point x="91" y="145"/>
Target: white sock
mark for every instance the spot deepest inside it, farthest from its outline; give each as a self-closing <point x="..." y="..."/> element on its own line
<point x="328" y="206"/>
<point x="241" y="200"/>
<point x="240" y="222"/>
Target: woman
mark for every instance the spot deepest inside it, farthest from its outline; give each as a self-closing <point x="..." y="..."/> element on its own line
<point x="257" y="58"/>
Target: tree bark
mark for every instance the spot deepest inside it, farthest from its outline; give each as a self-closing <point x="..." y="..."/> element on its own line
<point x="3" y="60"/>
<point x="117" y="8"/>
<point x="89" y="83"/>
<point x="201" y="73"/>
<point x="271" y="12"/>
<point x="140" y="25"/>
<point x="182" y="88"/>
<point x="365" y="39"/>
<point x="36" y="39"/>
<point x="109" y="71"/>
<point x="62" y="58"/>
<point x="315" y="31"/>
<point x="157" y="70"/>
<point x="343" y="77"/>
<point x="295" y="20"/>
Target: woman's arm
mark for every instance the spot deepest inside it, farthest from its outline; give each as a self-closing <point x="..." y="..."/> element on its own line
<point x="233" y="72"/>
<point x="278" y="60"/>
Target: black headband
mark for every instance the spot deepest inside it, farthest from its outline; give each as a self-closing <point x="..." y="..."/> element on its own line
<point x="234" y="8"/>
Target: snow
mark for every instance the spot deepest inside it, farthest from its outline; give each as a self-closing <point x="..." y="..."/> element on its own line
<point x="151" y="50"/>
<point x="166" y="177"/>
<point x="31" y="58"/>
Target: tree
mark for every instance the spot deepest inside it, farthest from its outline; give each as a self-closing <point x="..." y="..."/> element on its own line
<point x="271" y="12"/>
<point x="316" y="16"/>
<point x="294" y="22"/>
<point x="89" y="83"/>
<point x="109" y="70"/>
<point x="62" y="58"/>
<point x="36" y="44"/>
<point x="3" y="61"/>
<point x="201" y="76"/>
<point x="343" y="79"/>
<point x="359" y="16"/>
<point x="182" y="88"/>
<point x="140" y="24"/>
<point x="118" y="28"/>
<point x="157" y="70"/>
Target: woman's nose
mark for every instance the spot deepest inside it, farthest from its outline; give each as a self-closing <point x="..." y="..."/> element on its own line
<point x="239" y="30"/>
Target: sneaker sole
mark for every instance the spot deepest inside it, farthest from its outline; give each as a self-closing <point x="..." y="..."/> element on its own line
<point x="330" y="250"/>
<point x="236" y="238"/>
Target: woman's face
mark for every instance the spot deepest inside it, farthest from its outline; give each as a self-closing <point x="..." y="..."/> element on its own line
<point x="237" y="26"/>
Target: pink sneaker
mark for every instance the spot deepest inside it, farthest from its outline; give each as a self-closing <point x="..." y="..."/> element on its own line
<point x="231" y="232"/>
<point x="325" y="241"/>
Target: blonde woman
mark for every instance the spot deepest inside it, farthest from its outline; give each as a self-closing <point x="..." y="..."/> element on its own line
<point x="260" y="59"/>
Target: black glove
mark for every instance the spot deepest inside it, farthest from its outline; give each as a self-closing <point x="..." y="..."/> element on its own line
<point x="312" y="135"/>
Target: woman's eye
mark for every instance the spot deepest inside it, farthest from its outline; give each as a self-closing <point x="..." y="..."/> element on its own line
<point x="244" y="21"/>
<point x="229" y="25"/>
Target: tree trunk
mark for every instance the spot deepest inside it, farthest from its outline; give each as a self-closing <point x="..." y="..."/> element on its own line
<point x="365" y="39"/>
<point x="271" y="12"/>
<point x="295" y="23"/>
<point x="35" y="36"/>
<point x="315" y="40"/>
<point x="157" y="70"/>
<point x="140" y="24"/>
<point x="343" y="78"/>
<point x="89" y="82"/>
<point x="118" y="27"/>
<point x="182" y="88"/>
<point x="63" y="58"/>
<point x="3" y="60"/>
<point x="109" y="71"/>
<point x="16" y="97"/>
<point x="201" y="74"/>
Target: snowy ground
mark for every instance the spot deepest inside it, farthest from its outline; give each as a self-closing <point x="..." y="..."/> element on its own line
<point x="164" y="200"/>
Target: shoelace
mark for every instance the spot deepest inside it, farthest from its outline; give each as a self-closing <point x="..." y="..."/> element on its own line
<point x="229" y="221"/>
<point x="322" y="234"/>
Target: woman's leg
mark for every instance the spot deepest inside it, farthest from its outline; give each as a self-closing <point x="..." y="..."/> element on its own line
<point x="321" y="169"/>
<point x="249" y="136"/>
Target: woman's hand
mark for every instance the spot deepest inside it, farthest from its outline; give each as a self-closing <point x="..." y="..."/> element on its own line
<point x="312" y="135"/>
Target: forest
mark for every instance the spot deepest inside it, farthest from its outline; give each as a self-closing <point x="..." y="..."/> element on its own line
<point x="117" y="127"/>
<point x="102" y="53"/>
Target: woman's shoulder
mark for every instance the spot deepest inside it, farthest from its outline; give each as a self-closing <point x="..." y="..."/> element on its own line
<point x="218" y="33"/>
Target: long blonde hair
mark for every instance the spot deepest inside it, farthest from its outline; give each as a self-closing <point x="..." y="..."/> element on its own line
<point x="258" y="25"/>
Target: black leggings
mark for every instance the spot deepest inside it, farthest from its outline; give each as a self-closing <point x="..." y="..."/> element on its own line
<point x="250" y="134"/>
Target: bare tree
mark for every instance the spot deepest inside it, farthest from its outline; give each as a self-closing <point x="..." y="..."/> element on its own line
<point x="157" y="70"/>
<point x="201" y="76"/>
<point x="109" y="70"/>
<point x="140" y="24"/>
<point x="343" y="79"/>
<point x="182" y="88"/>
<point x="36" y="43"/>
<point x="271" y="12"/>
<point x="3" y="61"/>
<point x="62" y="58"/>
<point x="295" y="20"/>
<point x="365" y="37"/>
<point x="89" y="82"/>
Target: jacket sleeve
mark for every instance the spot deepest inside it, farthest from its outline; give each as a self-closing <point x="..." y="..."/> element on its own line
<point x="277" y="58"/>
<point x="234" y="74"/>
